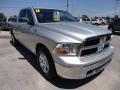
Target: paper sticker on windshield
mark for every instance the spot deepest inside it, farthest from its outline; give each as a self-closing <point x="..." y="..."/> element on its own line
<point x="37" y="10"/>
<point x="56" y="16"/>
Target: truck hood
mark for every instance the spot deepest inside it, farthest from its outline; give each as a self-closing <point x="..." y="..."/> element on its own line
<point x="74" y="30"/>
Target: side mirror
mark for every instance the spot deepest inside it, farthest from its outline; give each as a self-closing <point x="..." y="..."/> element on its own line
<point x="23" y="20"/>
<point x="30" y="22"/>
<point x="26" y="20"/>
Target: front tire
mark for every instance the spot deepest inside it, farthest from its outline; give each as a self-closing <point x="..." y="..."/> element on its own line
<point x="13" y="40"/>
<point x="46" y="63"/>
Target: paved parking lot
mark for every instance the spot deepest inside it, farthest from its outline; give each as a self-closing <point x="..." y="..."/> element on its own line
<point x="18" y="71"/>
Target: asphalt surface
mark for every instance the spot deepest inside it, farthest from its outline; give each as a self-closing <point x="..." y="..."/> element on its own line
<point x="18" y="71"/>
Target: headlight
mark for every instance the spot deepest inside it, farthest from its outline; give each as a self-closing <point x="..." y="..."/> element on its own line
<point x="66" y="49"/>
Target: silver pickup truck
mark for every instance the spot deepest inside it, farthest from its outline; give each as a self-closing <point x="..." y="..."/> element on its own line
<point x="62" y="45"/>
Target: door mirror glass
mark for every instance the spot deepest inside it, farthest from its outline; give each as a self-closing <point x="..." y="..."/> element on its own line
<point x="30" y="22"/>
<point x="23" y="20"/>
<point x="26" y="20"/>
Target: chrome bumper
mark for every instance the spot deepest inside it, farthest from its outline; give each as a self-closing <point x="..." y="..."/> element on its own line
<point x="83" y="71"/>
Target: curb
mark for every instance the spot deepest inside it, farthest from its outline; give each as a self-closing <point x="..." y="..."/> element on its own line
<point x="4" y="35"/>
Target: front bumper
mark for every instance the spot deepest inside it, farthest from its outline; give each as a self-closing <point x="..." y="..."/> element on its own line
<point x="88" y="65"/>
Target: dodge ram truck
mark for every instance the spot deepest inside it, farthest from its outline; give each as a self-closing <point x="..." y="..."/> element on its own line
<point x="62" y="45"/>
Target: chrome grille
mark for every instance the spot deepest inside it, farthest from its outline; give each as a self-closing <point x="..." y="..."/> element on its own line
<point x="95" y="44"/>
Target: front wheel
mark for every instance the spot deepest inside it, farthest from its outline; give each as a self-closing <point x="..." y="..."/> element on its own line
<point x="13" y="40"/>
<point x="46" y="63"/>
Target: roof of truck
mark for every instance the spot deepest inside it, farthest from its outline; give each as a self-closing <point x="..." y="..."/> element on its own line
<point x="41" y="8"/>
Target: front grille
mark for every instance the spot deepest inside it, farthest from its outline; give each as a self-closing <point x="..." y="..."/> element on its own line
<point x="95" y="44"/>
<point x="88" y="51"/>
<point x="92" y="42"/>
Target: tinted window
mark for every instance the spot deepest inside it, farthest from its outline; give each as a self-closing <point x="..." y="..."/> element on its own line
<point x="25" y="15"/>
<point x="22" y="14"/>
<point x="45" y="16"/>
<point x="50" y="15"/>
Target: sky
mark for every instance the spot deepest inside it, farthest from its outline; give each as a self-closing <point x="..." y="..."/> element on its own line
<point x="76" y="7"/>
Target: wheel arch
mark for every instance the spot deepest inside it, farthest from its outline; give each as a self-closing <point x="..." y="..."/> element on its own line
<point x="51" y="60"/>
<point x="40" y="45"/>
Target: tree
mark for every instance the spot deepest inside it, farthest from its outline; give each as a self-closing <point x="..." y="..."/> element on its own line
<point x="3" y="17"/>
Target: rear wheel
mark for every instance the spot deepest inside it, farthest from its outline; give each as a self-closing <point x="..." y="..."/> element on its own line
<point x="46" y="63"/>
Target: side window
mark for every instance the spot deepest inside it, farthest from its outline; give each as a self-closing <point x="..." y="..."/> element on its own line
<point x="22" y="15"/>
<point x="25" y="15"/>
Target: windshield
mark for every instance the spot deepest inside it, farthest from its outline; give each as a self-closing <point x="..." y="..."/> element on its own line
<point x="49" y="15"/>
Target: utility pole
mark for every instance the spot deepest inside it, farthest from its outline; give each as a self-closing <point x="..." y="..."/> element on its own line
<point x="67" y="5"/>
<point x="116" y="5"/>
